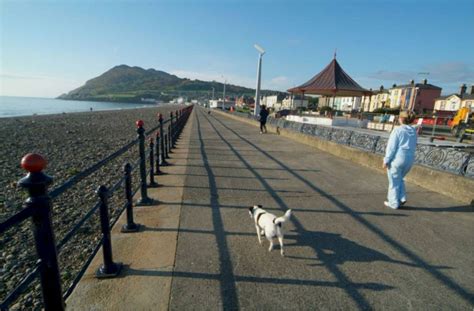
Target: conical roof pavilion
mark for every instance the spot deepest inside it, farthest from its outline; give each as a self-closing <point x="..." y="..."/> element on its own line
<point x="331" y="81"/>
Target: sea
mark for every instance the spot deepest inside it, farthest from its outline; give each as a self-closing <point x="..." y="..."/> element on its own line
<point x="12" y="106"/>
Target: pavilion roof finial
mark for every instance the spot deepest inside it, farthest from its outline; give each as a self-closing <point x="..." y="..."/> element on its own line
<point x="335" y="53"/>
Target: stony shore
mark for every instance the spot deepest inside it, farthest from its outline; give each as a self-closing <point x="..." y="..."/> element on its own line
<point x="70" y="143"/>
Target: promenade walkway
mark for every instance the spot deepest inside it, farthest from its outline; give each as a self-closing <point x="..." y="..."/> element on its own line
<point x="344" y="249"/>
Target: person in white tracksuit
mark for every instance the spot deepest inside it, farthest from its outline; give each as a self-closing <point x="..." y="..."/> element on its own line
<point x="399" y="158"/>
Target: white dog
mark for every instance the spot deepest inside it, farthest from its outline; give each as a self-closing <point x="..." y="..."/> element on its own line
<point x="269" y="224"/>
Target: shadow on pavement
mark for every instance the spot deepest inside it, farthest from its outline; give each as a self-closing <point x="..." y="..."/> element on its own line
<point x="358" y="298"/>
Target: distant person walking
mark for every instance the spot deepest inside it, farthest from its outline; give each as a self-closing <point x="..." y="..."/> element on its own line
<point x="399" y="158"/>
<point x="263" y="119"/>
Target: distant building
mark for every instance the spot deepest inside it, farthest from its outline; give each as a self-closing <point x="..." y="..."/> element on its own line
<point x="378" y="99"/>
<point x="273" y="101"/>
<point x="343" y="103"/>
<point x="451" y="103"/>
<point x="217" y="103"/>
<point x="293" y="103"/>
<point x="418" y="97"/>
<point x="244" y="101"/>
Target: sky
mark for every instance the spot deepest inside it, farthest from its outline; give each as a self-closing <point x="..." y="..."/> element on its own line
<point x="51" y="47"/>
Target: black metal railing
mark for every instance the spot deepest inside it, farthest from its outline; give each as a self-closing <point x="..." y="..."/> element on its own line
<point x="38" y="207"/>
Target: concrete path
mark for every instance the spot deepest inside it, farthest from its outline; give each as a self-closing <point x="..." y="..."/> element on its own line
<point x="344" y="249"/>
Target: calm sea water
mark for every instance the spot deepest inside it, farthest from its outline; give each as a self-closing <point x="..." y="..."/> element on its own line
<point x="25" y="106"/>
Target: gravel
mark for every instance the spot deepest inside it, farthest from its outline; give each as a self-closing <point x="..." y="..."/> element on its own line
<point x="70" y="143"/>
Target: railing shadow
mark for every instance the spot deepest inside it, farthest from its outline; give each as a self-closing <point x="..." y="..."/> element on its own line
<point x="345" y="283"/>
<point x="417" y="260"/>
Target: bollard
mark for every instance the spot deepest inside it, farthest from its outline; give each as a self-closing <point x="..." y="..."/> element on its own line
<point x="144" y="200"/>
<point x="152" y="182"/>
<point x="130" y="226"/>
<point x="36" y="183"/>
<point x="157" y="152"/>
<point x="170" y="132"/>
<point x="162" y="141"/>
<point x="166" y="147"/>
<point x="170" y="141"/>
<point x="109" y="269"/>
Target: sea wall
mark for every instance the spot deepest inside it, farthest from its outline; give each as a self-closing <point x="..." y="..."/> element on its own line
<point x="444" y="170"/>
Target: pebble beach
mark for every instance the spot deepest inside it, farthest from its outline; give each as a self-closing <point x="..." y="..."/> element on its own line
<point x="70" y="143"/>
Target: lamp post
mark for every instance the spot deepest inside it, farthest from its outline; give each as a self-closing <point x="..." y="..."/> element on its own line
<point x="223" y="95"/>
<point x="259" y="75"/>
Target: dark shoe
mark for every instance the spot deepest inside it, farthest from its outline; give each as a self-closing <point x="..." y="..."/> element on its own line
<point x="403" y="202"/>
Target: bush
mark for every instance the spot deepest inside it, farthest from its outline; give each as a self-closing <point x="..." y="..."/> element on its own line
<point x="323" y="110"/>
<point x="395" y="111"/>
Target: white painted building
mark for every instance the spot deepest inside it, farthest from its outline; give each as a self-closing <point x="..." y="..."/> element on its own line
<point x="217" y="103"/>
<point x="292" y="104"/>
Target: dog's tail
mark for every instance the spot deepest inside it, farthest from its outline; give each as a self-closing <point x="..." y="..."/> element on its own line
<point x="282" y="219"/>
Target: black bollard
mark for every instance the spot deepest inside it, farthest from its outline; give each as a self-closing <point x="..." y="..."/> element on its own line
<point x="109" y="269"/>
<point x="144" y="200"/>
<point x="157" y="152"/>
<point x="152" y="182"/>
<point x="130" y="226"/>
<point x="170" y="139"/>
<point x="36" y="183"/>
<point x="166" y="147"/>
<point x="162" y="141"/>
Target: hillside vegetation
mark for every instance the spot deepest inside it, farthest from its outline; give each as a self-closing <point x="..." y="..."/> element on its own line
<point x="131" y="84"/>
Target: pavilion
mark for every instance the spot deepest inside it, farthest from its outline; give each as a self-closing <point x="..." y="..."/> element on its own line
<point x="332" y="81"/>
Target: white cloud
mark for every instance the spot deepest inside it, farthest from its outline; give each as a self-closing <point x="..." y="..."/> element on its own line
<point x="280" y="83"/>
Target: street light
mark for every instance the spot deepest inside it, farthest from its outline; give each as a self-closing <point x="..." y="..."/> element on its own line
<point x="259" y="75"/>
<point x="223" y="95"/>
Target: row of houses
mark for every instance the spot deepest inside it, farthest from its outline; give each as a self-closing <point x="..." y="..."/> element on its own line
<point x="420" y="97"/>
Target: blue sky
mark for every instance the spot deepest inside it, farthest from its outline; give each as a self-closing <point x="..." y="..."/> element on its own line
<point x="51" y="47"/>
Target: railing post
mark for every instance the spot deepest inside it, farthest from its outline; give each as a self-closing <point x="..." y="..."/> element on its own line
<point x="157" y="152"/>
<point x="36" y="183"/>
<point x="144" y="200"/>
<point x="130" y="226"/>
<point x="166" y="147"/>
<point x="162" y="141"/>
<point x="170" y="133"/>
<point x="109" y="269"/>
<point x="170" y="143"/>
<point x="176" y="130"/>
<point x="152" y="182"/>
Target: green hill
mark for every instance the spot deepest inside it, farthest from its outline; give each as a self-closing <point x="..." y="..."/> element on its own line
<point x="130" y="84"/>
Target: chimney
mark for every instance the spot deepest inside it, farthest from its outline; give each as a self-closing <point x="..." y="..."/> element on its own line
<point x="412" y="82"/>
<point x="425" y="81"/>
<point x="381" y="87"/>
<point x="462" y="90"/>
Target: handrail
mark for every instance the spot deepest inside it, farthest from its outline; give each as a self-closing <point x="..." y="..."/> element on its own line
<point x="31" y="210"/>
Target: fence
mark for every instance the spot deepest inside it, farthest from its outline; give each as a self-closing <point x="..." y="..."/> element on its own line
<point x="38" y="207"/>
<point x="459" y="162"/>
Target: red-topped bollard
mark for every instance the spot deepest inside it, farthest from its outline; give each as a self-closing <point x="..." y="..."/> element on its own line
<point x="39" y="202"/>
<point x="144" y="200"/>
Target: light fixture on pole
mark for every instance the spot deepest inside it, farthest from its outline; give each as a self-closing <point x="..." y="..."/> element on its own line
<point x="259" y="74"/>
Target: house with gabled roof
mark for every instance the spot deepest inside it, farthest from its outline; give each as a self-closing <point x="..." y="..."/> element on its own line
<point x="453" y="102"/>
<point x="418" y="97"/>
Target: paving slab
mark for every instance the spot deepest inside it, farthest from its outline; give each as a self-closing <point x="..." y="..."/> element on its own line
<point x="344" y="249"/>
